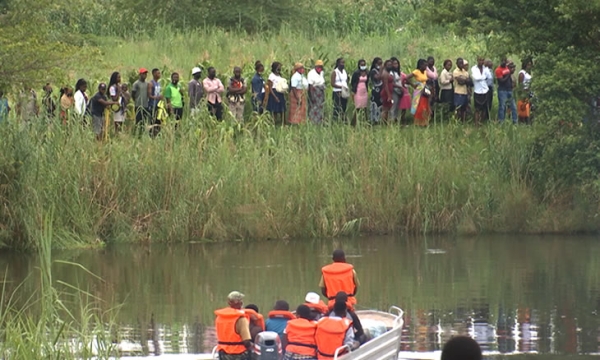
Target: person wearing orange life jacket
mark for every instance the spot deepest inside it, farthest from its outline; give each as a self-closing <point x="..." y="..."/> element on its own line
<point x="334" y="332"/>
<point x="339" y="276"/>
<point x="359" y="333"/>
<point x="317" y="307"/>
<point x="298" y="338"/>
<point x="257" y="321"/>
<point x="233" y="333"/>
<point x="278" y="318"/>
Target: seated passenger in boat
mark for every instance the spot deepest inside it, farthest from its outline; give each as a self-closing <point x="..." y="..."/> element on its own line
<point x="256" y="320"/>
<point x="317" y="307"/>
<point x="461" y="348"/>
<point x="233" y="335"/>
<point x="359" y="333"/>
<point x="334" y="331"/>
<point x="339" y="276"/>
<point x="298" y="338"/>
<point x="278" y="318"/>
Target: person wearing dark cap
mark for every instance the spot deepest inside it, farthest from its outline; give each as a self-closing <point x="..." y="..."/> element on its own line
<point x="334" y="331"/>
<point x="359" y="333"/>
<point x="233" y="329"/>
<point x="461" y="348"/>
<point x="139" y="92"/>
<point x="256" y="320"/>
<point x="278" y="318"/>
<point x="339" y="276"/>
<point x="98" y="104"/>
<point x="298" y="338"/>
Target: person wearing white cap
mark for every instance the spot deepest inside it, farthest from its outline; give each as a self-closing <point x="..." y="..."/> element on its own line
<point x="317" y="307"/>
<point x="233" y="329"/>
<point x="195" y="90"/>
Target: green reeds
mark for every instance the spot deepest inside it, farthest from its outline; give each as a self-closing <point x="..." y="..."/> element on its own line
<point x="225" y="181"/>
<point x="56" y="321"/>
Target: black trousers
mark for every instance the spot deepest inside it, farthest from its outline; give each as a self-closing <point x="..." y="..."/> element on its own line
<point x="339" y="106"/>
<point x="216" y="110"/>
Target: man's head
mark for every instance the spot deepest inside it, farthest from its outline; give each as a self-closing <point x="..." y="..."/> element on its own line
<point x="339" y="256"/>
<point x="252" y="307"/>
<point x="480" y="61"/>
<point x="460" y="63"/>
<point x="312" y="298"/>
<point x="281" y="305"/>
<point x="303" y="312"/>
<point x="155" y="74"/>
<point x="102" y="88"/>
<point x="339" y="308"/>
<point x="237" y="72"/>
<point x="235" y="299"/>
<point x="503" y="62"/>
<point x="143" y="74"/>
<point x="488" y="63"/>
<point x="196" y="73"/>
<point x="512" y="67"/>
<point x="212" y="72"/>
<point x="461" y="348"/>
<point x="174" y="78"/>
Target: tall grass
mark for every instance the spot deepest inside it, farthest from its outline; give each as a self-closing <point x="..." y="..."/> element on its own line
<point x="53" y="323"/>
<point x="216" y="181"/>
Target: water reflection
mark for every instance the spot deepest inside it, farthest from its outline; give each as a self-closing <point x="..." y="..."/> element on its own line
<point x="512" y="295"/>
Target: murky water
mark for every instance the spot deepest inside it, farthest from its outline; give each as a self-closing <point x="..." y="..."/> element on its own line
<point x="538" y="295"/>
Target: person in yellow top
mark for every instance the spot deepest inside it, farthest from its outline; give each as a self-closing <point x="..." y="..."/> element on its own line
<point x="420" y="107"/>
<point x="461" y="92"/>
<point x="339" y="276"/>
<point x="233" y="329"/>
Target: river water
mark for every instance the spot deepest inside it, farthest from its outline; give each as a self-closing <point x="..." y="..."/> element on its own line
<point x="538" y="295"/>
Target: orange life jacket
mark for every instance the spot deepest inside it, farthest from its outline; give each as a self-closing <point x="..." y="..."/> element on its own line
<point x="259" y="318"/>
<point x="281" y="314"/>
<point x="320" y="307"/>
<point x="301" y="337"/>
<point x="229" y="341"/>
<point x="330" y="335"/>
<point x="339" y="277"/>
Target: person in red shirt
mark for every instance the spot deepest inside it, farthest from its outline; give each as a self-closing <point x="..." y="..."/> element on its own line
<point x="505" y="91"/>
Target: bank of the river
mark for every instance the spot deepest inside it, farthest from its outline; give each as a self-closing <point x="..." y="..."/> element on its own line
<point x="219" y="183"/>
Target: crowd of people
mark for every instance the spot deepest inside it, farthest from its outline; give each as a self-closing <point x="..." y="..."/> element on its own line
<point x="316" y="329"/>
<point x="381" y="93"/>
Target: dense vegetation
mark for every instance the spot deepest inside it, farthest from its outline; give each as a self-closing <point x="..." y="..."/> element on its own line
<point x="220" y="181"/>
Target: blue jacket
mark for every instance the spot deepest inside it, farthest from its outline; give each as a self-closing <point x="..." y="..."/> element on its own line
<point x="277" y="325"/>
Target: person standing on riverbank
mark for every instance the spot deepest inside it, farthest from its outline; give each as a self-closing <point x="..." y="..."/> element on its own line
<point x="154" y="97"/>
<point x="461" y="92"/>
<point x="298" y="87"/>
<point x="98" y="104"/>
<point x="339" y="276"/>
<point x="341" y="93"/>
<point x="195" y="90"/>
<point x="480" y="75"/>
<point x="233" y="329"/>
<point x="316" y="93"/>
<point x="174" y="98"/>
<point x="236" y="91"/>
<point x="139" y="92"/>
<point x="214" y="88"/>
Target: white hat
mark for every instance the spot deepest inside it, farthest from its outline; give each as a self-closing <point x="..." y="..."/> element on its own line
<point x="312" y="298"/>
<point x="196" y="70"/>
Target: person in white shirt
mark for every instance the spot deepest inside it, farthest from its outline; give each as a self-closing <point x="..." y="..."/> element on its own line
<point x="316" y="93"/>
<point x="275" y="98"/>
<point x="297" y="95"/>
<point x="81" y="99"/>
<point x="341" y="92"/>
<point x="480" y="75"/>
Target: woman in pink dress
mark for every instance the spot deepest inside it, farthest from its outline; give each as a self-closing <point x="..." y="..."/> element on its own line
<point x="405" y="101"/>
<point x="360" y="91"/>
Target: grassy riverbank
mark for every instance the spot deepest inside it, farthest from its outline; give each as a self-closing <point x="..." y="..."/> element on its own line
<point x="221" y="183"/>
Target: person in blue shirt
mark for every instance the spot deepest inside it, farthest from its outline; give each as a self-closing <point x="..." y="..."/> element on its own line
<point x="258" y="88"/>
<point x="278" y="318"/>
<point x="4" y="108"/>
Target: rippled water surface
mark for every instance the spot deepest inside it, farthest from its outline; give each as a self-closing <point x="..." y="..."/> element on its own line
<point x="537" y="295"/>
